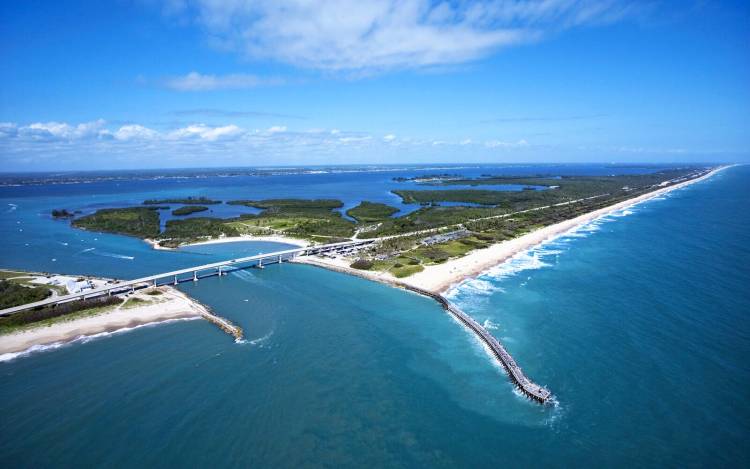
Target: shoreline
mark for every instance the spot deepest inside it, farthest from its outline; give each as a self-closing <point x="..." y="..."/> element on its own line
<point x="171" y="305"/>
<point x="234" y="239"/>
<point x="440" y="278"/>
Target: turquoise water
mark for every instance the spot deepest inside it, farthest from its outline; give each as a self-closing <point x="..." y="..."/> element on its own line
<point x="636" y="322"/>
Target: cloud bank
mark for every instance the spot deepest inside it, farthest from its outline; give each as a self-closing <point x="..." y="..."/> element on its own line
<point x="97" y="144"/>
<point x="365" y="36"/>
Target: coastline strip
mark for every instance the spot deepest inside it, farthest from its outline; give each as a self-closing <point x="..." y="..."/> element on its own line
<point x="443" y="277"/>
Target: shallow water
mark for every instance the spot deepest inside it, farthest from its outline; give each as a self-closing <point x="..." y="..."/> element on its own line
<point x="636" y="322"/>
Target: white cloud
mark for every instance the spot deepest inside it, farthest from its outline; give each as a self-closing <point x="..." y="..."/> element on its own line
<point x="61" y="130"/>
<point x="501" y="144"/>
<point x="371" y="35"/>
<point x="204" y="132"/>
<point x="130" y="132"/>
<point x="195" y="81"/>
<point x="62" y="143"/>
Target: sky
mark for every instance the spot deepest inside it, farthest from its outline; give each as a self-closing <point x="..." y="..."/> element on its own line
<point x="204" y="83"/>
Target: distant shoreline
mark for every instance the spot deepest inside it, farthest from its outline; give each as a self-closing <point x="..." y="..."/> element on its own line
<point x="442" y="277"/>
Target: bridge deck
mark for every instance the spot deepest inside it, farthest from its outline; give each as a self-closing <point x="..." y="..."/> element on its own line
<point x="124" y="284"/>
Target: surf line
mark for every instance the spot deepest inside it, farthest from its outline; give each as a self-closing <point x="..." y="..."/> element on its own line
<point x="527" y="387"/>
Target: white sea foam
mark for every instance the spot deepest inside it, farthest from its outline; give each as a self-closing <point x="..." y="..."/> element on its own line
<point x="478" y="286"/>
<point x="524" y="260"/>
<point x="488" y="324"/>
<point x="82" y="339"/>
<point x="11" y="207"/>
<point x="261" y="340"/>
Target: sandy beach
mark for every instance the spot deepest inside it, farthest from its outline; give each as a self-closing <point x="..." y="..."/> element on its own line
<point x="270" y="238"/>
<point x="441" y="277"/>
<point x="234" y="239"/>
<point x="170" y="305"/>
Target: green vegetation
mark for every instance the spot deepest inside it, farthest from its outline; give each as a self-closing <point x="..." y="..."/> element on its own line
<point x="186" y="200"/>
<point x="362" y="264"/>
<point x="312" y="219"/>
<point x="48" y="315"/>
<point x="483" y="197"/>
<point x="15" y="294"/>
<point x="135" y="302"/>
<point x="290" y="204"/>
<point x="194" y="229"/>
<point x="135" y="221"/>
<point x="319" y="219"/>
<point x="400" y="266"/>
<point x="61" y="213"/>
<point x="6" y="274"/>
<point x="367" y="212"/>
<point x="188" y="209"/>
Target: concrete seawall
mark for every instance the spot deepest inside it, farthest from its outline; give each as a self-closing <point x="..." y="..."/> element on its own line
<point x="223" y="323"/>
<point x="526" y="386"/>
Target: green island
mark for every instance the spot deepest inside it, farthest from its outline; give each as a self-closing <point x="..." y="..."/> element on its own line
<point x="430" y="235"/>
<point x="367" y="212"/>
<point x="142" y="222"/>
<point x="188" y="209"/>
<point x="185" y="200"/>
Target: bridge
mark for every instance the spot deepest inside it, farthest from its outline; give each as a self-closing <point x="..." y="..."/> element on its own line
<point x="194" y="273"/>
<point x="516" y="375"/>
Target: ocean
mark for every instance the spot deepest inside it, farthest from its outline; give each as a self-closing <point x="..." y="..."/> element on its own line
<point x="637" y="322"/>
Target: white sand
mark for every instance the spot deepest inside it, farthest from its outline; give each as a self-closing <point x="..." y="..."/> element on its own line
<point x="170" y="305"/>
<point x="439" y="278"/>
<point x="270" y="238"/>
<point x="235" y="239"/>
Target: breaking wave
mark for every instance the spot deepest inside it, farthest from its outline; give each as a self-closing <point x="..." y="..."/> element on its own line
<point x="82" y="339"/>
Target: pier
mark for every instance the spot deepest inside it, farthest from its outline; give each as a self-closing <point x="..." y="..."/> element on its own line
<point x="525" y="385"/>
<point x="529" y="389"/>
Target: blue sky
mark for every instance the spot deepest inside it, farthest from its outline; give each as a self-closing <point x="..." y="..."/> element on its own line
<point x="148" y="84"/>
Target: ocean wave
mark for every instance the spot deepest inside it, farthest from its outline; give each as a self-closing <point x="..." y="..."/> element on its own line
<point x="481" y="287"/>
<point x="489" y="325"/>
<point x="525" y="260"/>
<point x="12" y="208"/>
<point x="83" y="339"/>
